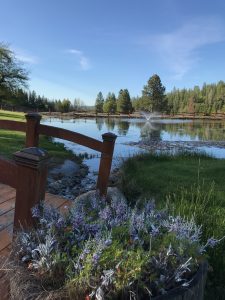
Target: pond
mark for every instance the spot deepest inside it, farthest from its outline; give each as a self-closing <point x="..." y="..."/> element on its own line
<point x="206" y="135"/>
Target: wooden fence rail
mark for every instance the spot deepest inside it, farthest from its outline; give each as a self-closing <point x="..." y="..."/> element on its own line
<point x="28" y="172"/>
<point x="33" y="129"/>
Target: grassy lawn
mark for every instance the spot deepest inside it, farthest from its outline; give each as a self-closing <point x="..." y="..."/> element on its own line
<point x="10" y="115"/>
<point x="190" y="185"/>
<point x="12" y="141"/>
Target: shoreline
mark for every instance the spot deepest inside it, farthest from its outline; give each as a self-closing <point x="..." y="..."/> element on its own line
<point x="78" y="115"/>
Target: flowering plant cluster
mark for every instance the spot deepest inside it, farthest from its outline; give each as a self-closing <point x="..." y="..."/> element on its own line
<point x="107" y="250"/>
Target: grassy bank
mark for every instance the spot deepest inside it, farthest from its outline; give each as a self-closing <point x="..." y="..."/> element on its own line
<point x="192" y="185"/>
<point x="12" y="141"/>
<point x="10" y="115"/>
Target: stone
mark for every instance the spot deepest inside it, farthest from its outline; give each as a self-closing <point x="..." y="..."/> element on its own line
<point x="113" y="193"/>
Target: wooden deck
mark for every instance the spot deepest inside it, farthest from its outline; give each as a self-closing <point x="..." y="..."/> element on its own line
<point x="7" y="205"/>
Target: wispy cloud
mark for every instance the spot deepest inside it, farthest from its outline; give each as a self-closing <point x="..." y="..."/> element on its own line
<point x="25" y="57"/>
<point x="82" y="59"/>
<point x="179" y="49"/>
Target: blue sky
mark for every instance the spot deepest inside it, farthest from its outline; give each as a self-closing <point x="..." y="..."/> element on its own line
<point x="74" y="49"/>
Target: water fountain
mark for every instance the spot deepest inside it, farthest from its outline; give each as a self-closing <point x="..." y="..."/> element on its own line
<point x="149" y="116"/>
<point x="149" y="132"/>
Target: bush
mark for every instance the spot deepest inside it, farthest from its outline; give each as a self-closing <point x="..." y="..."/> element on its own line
<point x="107" y="250"/>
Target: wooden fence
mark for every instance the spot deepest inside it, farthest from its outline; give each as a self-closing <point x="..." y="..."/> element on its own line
<point x="28" y="172"/>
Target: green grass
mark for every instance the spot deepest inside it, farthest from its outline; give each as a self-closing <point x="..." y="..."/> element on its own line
<point x="10" y="115"/>
<point x="190" y="185"/>
<point x="155" y="176"/>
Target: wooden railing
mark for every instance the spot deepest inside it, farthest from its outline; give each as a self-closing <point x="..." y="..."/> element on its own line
<point x="28" y="172"/>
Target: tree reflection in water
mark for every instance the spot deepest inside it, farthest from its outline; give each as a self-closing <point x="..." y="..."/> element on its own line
<point x="123" y="127"/>
<point x="150" y="132"/>
<point x="110" y="124"/>
<point x="99" y="123"/>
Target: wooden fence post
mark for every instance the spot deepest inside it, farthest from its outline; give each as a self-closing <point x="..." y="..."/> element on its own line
<point x="32" y="136"/>
<point x="105" y="162"/>
<point x="32" y="175"/>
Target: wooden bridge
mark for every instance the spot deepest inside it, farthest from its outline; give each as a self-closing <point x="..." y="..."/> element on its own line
<point x="23" y="180"/>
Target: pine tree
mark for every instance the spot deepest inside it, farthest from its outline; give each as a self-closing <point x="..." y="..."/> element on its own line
<point x="109" y="105"/>
<point x="99" y="103"/>
<point x="124" y="104"/>
<point x="153" y="95"/>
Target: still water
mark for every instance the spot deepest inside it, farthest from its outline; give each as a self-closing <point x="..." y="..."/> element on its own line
<point x="135" y="130"/>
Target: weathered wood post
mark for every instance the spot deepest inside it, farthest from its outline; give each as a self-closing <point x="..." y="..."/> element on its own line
<point x="105" y="162"/>
<point x="32" y="172"/>
<point x="32" y="135"/>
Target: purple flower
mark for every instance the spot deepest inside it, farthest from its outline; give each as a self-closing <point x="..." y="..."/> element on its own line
<point x="211" y="243"/>
<point x="105" y="214"/>
<point x="150" y="206"/>
<point x="95" y="258"/>
<point x="60" y="224"/>
<point x="36" y="212"/>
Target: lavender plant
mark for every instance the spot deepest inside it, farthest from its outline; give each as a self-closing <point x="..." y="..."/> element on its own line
<point x="106" y="250"/>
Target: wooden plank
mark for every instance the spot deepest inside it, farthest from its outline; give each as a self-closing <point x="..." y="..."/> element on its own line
<point x="4" y="288"/>
<point x="9" y="194"/>
<point x="13" y="125"/>
<point x="5" y="188"/>
<point x="71" y="136"/>
<point x="6" y="237"/>
<point x="7" y="206"/>
<point x="6" y="219"/>
<point x="5" y="252"/>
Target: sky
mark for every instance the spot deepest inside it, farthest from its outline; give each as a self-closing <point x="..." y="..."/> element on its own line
<point x="76" y="48"/>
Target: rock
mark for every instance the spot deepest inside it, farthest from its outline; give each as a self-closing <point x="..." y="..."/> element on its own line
<point x="83" y="172"/>
<point x="113" y="193"/>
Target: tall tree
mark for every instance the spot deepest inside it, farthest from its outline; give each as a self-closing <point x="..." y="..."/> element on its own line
<point x="99" y="103"/>
<point x="153" y="95"/>
<point x="110" y="104"/>
<point x="65" y="106"/>
<point x="78" y="104"/>
<point x="12" y="74"/>
<point x="124" y="104"/>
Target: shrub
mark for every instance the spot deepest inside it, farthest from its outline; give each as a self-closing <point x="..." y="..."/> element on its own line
<point x="107" y="250"/>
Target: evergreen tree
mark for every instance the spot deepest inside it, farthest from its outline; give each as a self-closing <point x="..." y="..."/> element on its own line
<point x="99" y="103"/>
<point x="153" y="95"/>
<point x="109" y="105"/>
<point x="65" y="105"/>
<point x="124" y="104"/>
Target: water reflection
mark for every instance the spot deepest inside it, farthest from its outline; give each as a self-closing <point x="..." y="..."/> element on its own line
<point x="201" y="130"/>
<point x="150" y="132"/>
<point x="170" y="130"/>
<point x="99" y="123"/>
<point x="123" y="127"/>
<point x="110" y="124"/>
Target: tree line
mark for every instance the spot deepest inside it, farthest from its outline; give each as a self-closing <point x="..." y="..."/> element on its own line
<point x="153" y="99"/>
<point x="208" y="99"/>
<point x="23" y="100"/>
